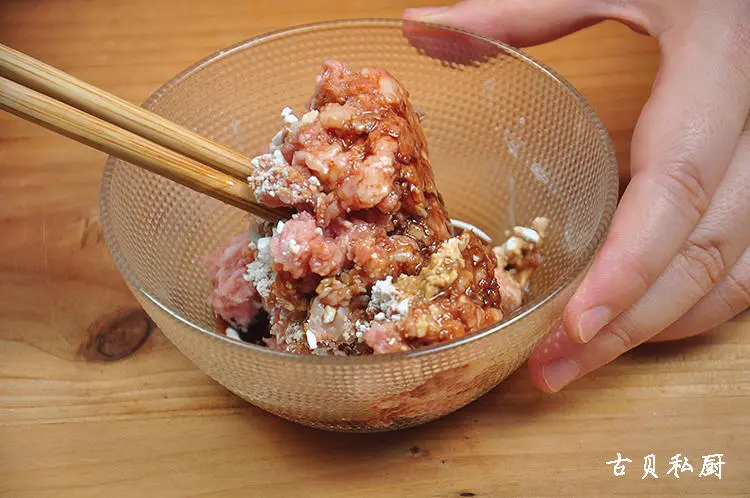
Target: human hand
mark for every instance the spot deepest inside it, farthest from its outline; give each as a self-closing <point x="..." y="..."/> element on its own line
<point x="676" y="261"/>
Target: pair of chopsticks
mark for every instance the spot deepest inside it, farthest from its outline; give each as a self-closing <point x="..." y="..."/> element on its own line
<point x="56" y="100"/>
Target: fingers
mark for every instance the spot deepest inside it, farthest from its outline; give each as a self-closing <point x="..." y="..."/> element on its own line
<point x="559" y="360"/>
<point x="555" y="362"/>
<point x="729" y="298"/>
<point x="520" y="22"/>
<point x="716" y="245"/>
<point x="681" y="149"/>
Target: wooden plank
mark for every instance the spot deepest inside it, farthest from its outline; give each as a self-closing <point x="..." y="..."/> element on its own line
<point x="152" y="424"/>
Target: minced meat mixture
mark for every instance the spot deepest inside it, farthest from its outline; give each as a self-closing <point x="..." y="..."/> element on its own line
<point x="370" y="262"/>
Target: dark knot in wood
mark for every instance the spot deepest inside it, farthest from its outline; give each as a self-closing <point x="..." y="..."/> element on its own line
<point x="116" y="335"/>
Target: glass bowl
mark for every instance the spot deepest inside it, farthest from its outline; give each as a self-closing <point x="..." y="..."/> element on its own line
<point x="509" y="140"/>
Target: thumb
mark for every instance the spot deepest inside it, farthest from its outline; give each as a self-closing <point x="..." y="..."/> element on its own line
<point x="523" y="23"/>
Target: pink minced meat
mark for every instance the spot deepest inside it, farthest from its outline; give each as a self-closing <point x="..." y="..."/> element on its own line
<point x="360" y="149"/>
<point x="370" y="263"/>
<point x="302" y="248"/>
<point x="234" y="299"/>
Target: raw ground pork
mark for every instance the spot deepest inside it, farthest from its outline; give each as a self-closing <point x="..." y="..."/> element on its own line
<point x="370" y="263"/>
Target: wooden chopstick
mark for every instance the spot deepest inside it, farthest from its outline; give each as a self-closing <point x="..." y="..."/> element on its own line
<point x="50" y="81"/>
<point x="109" y="138"/>
<point x="58" y="101"/>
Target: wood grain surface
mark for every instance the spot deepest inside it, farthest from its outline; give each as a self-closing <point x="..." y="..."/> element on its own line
<point x="96" y="402"/>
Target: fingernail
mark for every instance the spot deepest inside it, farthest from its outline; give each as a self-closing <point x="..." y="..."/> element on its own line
<point x="421" y="13"/>
<point x="559" y="373"/>
<point x="592" y="321"/>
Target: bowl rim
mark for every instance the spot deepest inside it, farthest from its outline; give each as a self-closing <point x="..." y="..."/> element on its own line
<point x="568" y="278"/>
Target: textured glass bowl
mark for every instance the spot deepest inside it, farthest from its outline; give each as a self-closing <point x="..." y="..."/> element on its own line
<point x="509" y="141"/>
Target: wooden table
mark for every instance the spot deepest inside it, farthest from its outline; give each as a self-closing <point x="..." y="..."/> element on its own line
<point x="151" y="424"/>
